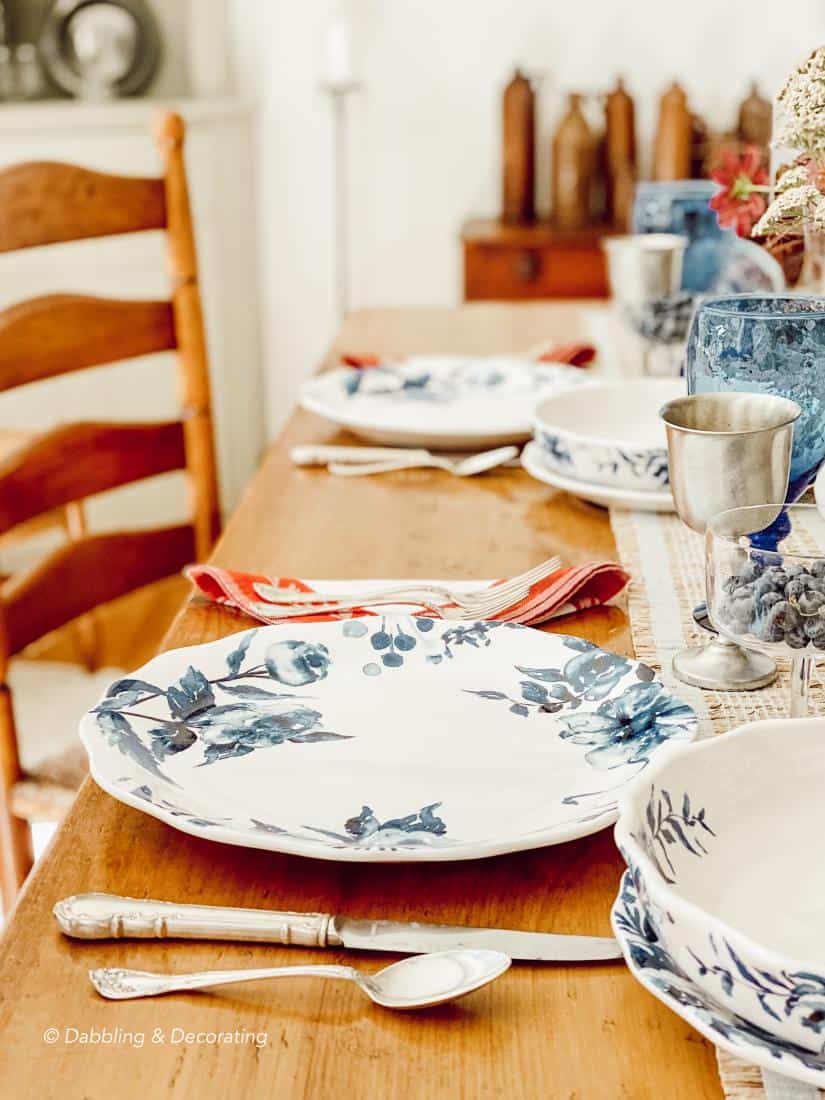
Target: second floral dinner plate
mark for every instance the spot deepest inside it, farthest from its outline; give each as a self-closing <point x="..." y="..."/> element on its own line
<point x="447" y="401"/>
<point x="384" y="739"/>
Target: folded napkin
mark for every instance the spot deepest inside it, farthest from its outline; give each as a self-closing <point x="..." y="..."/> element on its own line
<point x="570" y="589"/>
<point x="577" y="355"/>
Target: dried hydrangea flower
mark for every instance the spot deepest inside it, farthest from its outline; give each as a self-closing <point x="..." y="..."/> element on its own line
<point x="791" y="209"/>
<point x="801" y="121"/>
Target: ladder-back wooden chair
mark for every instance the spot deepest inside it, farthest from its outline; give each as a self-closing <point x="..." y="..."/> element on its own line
<point x="48" y="203"/>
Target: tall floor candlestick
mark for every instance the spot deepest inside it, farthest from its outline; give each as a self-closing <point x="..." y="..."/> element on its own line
<point x="339" y="94"/>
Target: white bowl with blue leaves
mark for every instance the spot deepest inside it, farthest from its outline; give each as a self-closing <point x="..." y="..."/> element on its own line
<point x="608" y="434"/>
<point x="384" y="738"/>
<point x="723" y="846"/>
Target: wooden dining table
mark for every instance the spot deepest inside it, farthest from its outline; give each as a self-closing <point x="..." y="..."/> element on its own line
<point x="577" y="1032"/>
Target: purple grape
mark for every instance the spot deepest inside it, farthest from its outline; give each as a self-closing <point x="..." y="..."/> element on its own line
<point x="809" y="603"/>
<point x="769" y="600"/>
<point x="796" y="587"/>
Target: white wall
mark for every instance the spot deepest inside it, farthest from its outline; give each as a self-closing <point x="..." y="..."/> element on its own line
<point x="425" y="128"/>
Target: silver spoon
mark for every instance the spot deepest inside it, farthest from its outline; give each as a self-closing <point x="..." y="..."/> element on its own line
<point x="461" y="467"/>
<point x="420" y="981"/>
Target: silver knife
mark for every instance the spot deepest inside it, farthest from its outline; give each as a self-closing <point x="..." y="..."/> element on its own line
<point x="107" y="916"/>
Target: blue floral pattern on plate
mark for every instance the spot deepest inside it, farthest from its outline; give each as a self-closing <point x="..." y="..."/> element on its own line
<point x="635" y="927"/>
<point x="627" y="725"/>
<point x="272" y="737"/>
<point x="443" y="379"/>
<point x="255" y="717"/>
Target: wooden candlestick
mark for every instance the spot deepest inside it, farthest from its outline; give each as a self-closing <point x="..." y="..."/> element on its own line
<point x="755" y="120"/>
<point x="518" y="150"/>
<point x="620" y="154"/>
<point x="573" y="167"/>
<point x="671" y="153"/>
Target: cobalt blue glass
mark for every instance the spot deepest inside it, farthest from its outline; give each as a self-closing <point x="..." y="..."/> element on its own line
<point x="766" y="343"/>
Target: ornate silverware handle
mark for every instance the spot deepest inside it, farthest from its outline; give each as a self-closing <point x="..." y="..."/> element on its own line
<point x="122" y="985"/>
<point x="108" y="916"/>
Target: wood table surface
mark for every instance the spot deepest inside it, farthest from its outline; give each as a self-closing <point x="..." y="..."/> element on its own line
<point x="551" y="1031"/>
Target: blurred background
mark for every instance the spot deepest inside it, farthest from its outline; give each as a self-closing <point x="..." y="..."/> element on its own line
<point x="343" y="154"/>
<point x="292" y="226"/>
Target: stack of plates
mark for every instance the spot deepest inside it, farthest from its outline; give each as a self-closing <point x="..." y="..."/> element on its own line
<point x="720" y="911"/>
<point x="606" y="443"/>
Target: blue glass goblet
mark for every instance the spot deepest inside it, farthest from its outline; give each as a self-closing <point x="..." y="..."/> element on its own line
<point x="767" y="343"/>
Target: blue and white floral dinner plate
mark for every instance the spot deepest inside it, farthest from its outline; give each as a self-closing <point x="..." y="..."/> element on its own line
<point x="387" y="738"/>
<point x="653" y="966"/>
<point x="449" y="401"/>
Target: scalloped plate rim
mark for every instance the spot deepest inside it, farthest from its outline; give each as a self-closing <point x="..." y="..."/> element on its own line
<point x="290" y="845"/>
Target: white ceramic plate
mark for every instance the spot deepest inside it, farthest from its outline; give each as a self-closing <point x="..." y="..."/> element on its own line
<point x="445" y="401"/>
<point x="609" y="433"/>
<point x="608" y="497"/>
<point x="383" y="739"/>
<point x="651" y="964"/>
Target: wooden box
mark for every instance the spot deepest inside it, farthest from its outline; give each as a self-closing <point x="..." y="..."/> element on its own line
<point x="519" y="262"/>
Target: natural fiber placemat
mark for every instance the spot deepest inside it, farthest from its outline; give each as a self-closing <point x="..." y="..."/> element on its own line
<point x="666" y="563"/>
<point x="743" y="1082"/>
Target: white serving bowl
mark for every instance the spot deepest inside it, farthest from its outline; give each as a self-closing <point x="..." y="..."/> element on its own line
<point x="724" y="843"/>
<point x="608" y="433"/>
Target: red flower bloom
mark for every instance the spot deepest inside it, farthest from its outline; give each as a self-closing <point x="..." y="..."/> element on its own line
<point x="738" y="203"/>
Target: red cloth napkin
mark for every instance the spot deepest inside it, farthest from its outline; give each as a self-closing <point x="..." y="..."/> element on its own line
<point x="577" y="355"/>
<point x="570" y="589"/>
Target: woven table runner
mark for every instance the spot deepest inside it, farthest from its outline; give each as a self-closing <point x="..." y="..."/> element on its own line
<point x="744" y="1082"/>
<point x="666" y="563"/>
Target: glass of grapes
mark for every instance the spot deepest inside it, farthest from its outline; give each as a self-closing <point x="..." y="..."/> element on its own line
<point x="772" y="601"/>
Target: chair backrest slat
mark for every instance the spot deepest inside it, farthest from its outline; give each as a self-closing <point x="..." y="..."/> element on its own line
<point x="81" y="459"/>
<point x="59" y="333"/>
<point x="80" y="575"/>
<point x="45" y="202"/>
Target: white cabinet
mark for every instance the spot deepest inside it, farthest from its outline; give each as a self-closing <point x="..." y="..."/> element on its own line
<point x="117" y="137"/>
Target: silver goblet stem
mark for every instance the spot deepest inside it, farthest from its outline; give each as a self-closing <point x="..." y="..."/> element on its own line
<point x="726" y="450"/>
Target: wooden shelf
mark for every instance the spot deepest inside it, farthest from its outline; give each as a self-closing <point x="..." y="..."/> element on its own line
<point x="532" y="261"/>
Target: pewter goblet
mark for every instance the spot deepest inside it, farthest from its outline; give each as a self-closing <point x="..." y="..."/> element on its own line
<point x="726" y="450"/>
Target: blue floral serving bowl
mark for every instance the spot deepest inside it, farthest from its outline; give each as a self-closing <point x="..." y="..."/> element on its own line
<point x="721" y="844"/>
<point x="608" y="434"/>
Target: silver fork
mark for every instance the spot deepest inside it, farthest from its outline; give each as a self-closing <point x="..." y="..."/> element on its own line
<point x="484" y="603"/>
